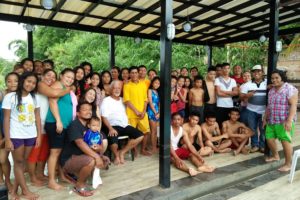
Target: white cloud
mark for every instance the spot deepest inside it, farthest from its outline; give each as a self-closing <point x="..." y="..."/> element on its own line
<point x="10" y="31"/>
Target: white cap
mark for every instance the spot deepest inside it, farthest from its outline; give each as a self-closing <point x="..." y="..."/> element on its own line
<point x="256" y="67"/>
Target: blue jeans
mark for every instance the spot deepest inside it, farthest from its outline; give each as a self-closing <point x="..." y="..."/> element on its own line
<point x="254" y="121"/>
<point x="244" y="115"/>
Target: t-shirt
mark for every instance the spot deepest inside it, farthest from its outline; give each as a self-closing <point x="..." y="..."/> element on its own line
<point x="44" y="107"/>
<point x="225" y="85"/>
<point x="92" y="138"/>
<point x="256" y="103"/>
<point x="114" y="111"/>
<point x="75" y="131"/>
<point x="22" y="119"/>
<point x="175" y="139"/>
<point x="136" y="93"/>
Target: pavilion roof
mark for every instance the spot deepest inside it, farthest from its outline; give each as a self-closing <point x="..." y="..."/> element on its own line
<point x="214" y="22"/>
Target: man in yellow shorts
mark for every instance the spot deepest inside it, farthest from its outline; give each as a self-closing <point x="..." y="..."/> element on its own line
<point x="135" y="99"/>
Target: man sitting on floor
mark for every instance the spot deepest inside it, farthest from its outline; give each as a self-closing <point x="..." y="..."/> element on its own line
<point x="195" y="135"/>
<point x="180" y="154"/>
<point x="212" y="135"/>
<point x="237" y="132"/>
<point x="113" y="113"/>
<point x="77" y="157"/>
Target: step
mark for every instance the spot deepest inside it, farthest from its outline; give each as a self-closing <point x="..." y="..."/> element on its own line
<point x="205" y="183"/>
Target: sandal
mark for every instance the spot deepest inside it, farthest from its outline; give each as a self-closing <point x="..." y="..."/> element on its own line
<point x="84" y="192"/>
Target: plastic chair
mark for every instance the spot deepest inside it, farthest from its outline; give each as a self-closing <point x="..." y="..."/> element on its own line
<point x="294" y="163"/>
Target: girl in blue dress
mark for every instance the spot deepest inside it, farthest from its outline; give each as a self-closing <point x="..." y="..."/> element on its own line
<point x="153" y="111"/>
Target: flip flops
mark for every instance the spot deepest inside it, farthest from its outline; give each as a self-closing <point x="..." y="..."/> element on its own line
<point x="84" y="192"/>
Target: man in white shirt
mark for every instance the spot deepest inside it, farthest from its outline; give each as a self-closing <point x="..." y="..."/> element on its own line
<point x="113" y="113"/>
<point x="255" y="92"/>
<point x="226" y="88"/>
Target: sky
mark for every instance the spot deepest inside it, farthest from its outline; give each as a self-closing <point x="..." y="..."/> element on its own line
<point x="10" y="31"/>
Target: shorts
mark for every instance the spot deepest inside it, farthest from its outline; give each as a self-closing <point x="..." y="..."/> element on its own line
<point x="129" y="131"/>
<point x="40" y="154"/>
<point x="197" y="146"/>
<point x="56" y="140"/>
<point x="74" y="164"/>
<point x="141" y="124"/>
<point x="183" y="153"/>
<point x="29" y="142"/>
<point x="278" y="131"/>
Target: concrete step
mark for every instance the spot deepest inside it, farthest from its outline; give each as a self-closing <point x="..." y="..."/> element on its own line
<point x="205" y="183"/>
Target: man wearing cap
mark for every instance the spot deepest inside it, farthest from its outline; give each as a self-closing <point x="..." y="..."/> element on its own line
<point x="255" y="92"/>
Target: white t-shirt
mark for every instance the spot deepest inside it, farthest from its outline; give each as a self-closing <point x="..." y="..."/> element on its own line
<point x="114" y="111"/>
<point x="44" y="107"/>
<point x="22" y="121"/>
<point x="257" y="103"/>
<point x="225" y="85"/>
<point x="175" y="139"/>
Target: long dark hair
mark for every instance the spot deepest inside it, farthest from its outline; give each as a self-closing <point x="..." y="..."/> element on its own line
<point x="101" y="82"/>
<point x="79" y="83"/>
<point x="20" y="88"/>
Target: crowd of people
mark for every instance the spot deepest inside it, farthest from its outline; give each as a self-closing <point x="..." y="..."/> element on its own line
<point x="70" y="121"/>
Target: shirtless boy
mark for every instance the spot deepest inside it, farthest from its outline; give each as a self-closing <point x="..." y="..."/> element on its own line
<point x="178" y="154"/>
<point x="210" y="106"/>
<point x="194" y="133"/>
<point x="196" y="97"/>
<point x="212" y="135"/>
<point x="237" y="132"/>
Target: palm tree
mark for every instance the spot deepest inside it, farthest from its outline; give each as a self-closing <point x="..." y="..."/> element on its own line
<point x="19" y="47"/>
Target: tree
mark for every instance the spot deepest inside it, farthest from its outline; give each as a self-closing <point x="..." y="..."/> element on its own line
<point x="19" y="47"/>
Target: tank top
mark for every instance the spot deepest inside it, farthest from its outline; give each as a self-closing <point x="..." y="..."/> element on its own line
<point x="65" y="107"/>
<point x="175" y="139"/>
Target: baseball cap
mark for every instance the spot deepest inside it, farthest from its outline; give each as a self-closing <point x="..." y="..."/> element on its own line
<point x="256" y="67"/>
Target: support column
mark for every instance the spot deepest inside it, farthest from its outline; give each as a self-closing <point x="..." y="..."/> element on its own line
<point x="30" y="44"/>
<point x="165" y="78"/>
<point x="209" y="55"/>
<point x="272" y="54"/>
<point x="111" y="50"/>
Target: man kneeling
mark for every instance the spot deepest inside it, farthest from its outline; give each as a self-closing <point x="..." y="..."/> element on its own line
<point x="177" y="154"/>
<point x="77" y="158"/>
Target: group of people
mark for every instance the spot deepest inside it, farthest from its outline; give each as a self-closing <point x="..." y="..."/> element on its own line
<point x="71" y="121"/>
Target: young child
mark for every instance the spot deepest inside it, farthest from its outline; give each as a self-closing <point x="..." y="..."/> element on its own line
<point x="180" y="94"/>
<point x="194" y="132"/>
<point x="22" y="129"/>
<point x="94" y="139"/>
<point x="178" y="154"/>
<point x="196" y="98"/>
<point x="237" y="132"/>
<point x="174" y="98"/>
<point x="212" y="135"/>
<point x="153" y="111"/>
<point x="11" y="82"/>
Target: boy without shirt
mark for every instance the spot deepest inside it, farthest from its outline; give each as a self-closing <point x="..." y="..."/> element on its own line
<point x="237" y="132"/>
<point x="178" y="154"/>
<point x="210" y="106"/>
<point x="194" y="133"/>
<point x="213" y="137"/>
<point x="196" y="98"/>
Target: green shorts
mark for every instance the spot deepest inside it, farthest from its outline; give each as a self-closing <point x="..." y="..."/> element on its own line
<point x="278" y="131"/>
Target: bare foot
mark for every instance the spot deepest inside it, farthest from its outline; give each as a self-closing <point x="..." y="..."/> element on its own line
<point x="154" y="151"/>
<point x="226" y="150"/>
<point x="29" y="195"/>
<point x="145" y="153"/>
<point x="193" y="172"/>
<point x="235" y="153"/>
<point x="42" y="177"/>
<point x="272" y="159"/>
<point x="121" y="154"/>
<point x="206" y="168"/>
<point x="284" y="168"/>
<point x="14" y="196"/>
<point x="55" y="186"/>
<point x="135" y="152"/>
<point x="36" y="182"/>
<point x="117" y="160"/>
<point x="245" y="150"/>
<point x="9" y="186"/>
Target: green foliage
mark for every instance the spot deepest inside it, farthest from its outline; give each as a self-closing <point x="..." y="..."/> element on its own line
<point x="68" y="48"/>
<point x="19" y="47"/>
<point x="5" y="68"/>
